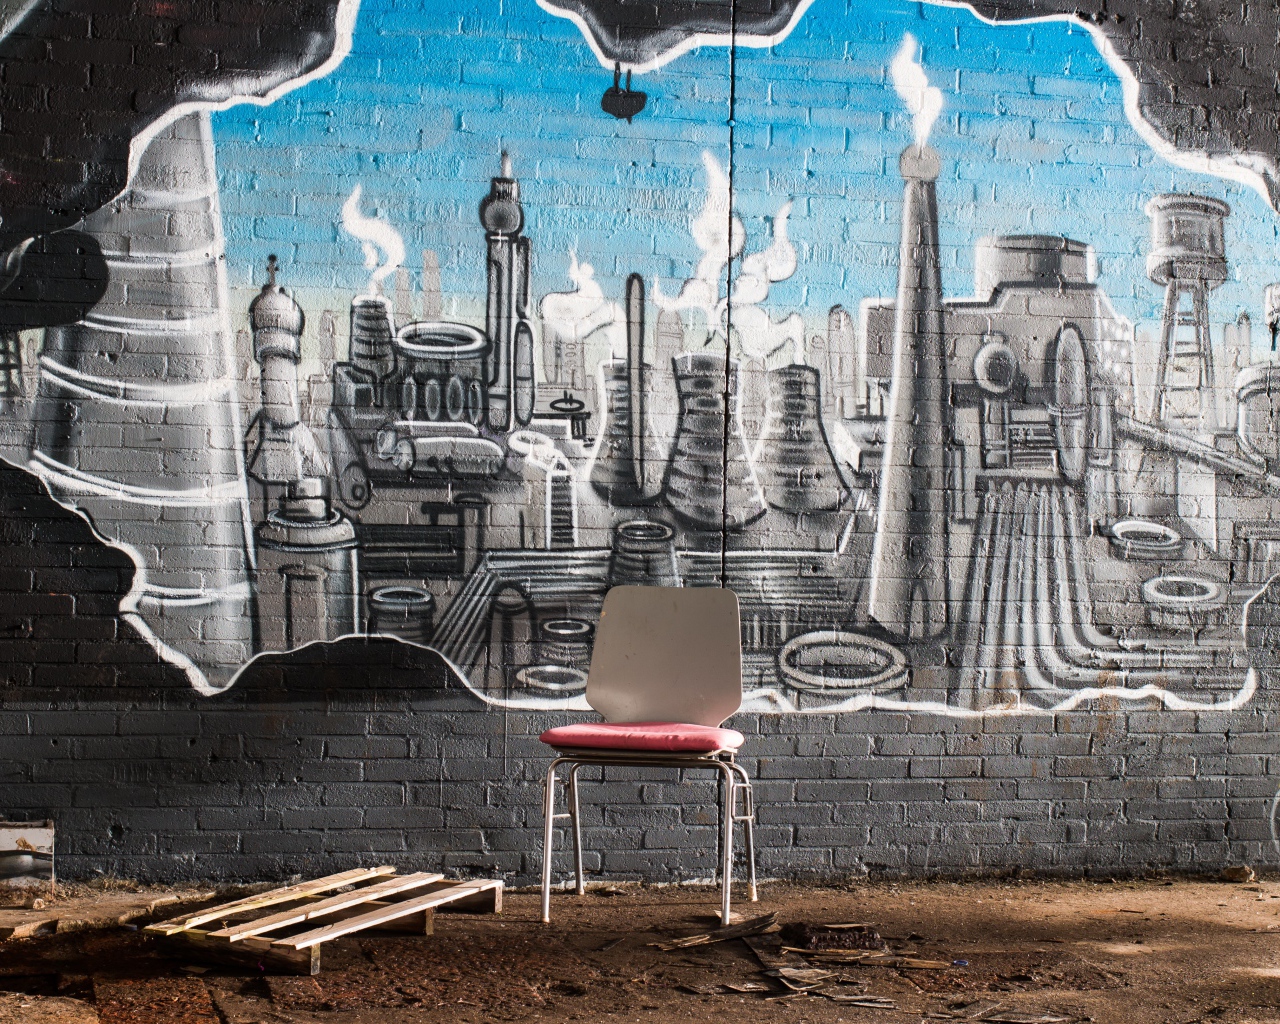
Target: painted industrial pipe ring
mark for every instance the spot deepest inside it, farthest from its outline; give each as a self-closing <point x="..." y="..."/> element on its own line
<point x="1163" y="591"/>
<point x="891" y="674"/>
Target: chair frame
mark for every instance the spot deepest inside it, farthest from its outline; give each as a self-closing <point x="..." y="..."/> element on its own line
<point x="734" y="782"/>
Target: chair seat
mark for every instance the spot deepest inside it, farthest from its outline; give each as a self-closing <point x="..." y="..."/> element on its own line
<point x="650" y="737"/>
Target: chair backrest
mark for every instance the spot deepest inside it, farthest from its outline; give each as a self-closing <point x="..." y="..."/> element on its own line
<point x="667" y="654"/>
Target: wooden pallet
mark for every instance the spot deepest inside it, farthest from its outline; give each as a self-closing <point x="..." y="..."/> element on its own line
<point x="302" y="917"/>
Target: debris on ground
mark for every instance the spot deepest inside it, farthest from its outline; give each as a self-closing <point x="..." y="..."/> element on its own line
<point x="800" y="979"/>
<point x="868" y="959"/>
<point x="1040" y="953"/>
<point x="804" y="936"/>
<point x="1238" y="873"/>
<point x="24" y="1009"/>
<point x="88" y="913"/>
<point x="974" y="1010"/>
<point x="147" y="1000"/>
<point x="993" y="1013"/>
<point x="768" y="950"/>
<point x="867" y="1002"/>
<point x="296" y="993"/>
<point x="754" y="926"/>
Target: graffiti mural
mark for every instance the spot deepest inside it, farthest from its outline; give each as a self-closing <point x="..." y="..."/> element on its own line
<point x="968" y="406"/>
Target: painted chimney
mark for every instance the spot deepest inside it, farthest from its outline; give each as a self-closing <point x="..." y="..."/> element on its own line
<point x="908" y="594"/>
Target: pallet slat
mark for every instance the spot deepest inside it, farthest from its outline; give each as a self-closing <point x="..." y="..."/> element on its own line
<point x="332" y="905"/>
<point x="251" y="952"/>
<point x="271" y="898"/>
<point x="377" y="917"/>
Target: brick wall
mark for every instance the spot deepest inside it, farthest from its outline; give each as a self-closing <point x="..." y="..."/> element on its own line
<point x="1007" y="585"/>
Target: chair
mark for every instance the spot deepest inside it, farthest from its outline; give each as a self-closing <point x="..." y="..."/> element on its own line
<point x="666" y="671"/>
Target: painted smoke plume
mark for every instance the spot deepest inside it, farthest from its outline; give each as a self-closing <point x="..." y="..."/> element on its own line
<point x="382" y="244"/>
<point x="721" y="237"/>
<point x="923" y="100"/>
<point x="578" y="315"/>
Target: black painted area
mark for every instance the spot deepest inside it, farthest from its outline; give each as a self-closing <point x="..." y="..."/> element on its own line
<point x="1205" y="71"/>
<point x="80" y="81"/>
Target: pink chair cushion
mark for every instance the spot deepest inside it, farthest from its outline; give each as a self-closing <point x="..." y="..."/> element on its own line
<point x="651" y="737"/>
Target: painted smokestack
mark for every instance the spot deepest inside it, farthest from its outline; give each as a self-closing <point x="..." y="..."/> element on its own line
<point x="372" y="344"/>
<point x="138" y="418"/>
<point x="908" y="594"/>
<point x="507" y="310"/>
<point x="637" y="378"/>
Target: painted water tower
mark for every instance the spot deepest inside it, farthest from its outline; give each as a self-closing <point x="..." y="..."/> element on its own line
<point x="1188" y="257"/>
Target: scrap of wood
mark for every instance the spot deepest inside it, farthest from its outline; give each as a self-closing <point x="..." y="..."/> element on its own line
<point x="801" y="979"/>
<point x="382" y="915"/>
<point x="869" y="1002"/>
<point x="978" y="1008"/>
<point x="862" y="958"/>
<point x="754" y="926"/>
<point x="486" y="900"/>
<point x="1027" y="1018"/>
<point x="975" y="1009"/>
<point x="916" y="964"/>
<point x="724" y="989"/>
<point x="324" y="908"/>
<point x="768" y="950"/>
<point x="271" y="898"/>
<point x="803" y="988"/>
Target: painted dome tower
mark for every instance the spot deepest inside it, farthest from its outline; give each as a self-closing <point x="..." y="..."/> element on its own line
<point x="510" y="362"/>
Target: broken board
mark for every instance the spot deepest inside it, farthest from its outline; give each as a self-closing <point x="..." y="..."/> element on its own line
<point x="283" y="929"/>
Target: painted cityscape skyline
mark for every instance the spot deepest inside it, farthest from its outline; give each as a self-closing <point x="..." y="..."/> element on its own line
<point x="968" y="431"/>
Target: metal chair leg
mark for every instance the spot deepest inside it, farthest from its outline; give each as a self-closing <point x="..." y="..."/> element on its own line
<point x="734" y="780"/>
<point x="726" y="826"/>
<point x="748" y="819"/>
<point x="577" y="829"/>
<point x="549" y="818"/>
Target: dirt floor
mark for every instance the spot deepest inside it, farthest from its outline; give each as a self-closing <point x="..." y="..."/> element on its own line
<point x="1017" y="951"/>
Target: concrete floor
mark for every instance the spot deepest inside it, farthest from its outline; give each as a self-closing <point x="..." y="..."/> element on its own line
<point x="1132" y="952"/>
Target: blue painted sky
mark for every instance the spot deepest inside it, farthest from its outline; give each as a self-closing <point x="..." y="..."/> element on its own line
<point x="1032" y="136"/>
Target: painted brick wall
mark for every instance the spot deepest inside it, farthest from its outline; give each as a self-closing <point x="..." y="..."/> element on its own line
<point x="312" y="766"/>
<point x="280" y="594"/>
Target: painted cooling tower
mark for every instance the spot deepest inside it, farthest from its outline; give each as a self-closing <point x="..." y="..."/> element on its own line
<point x="137" y="417"/>
<point x="908" y="561"/>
